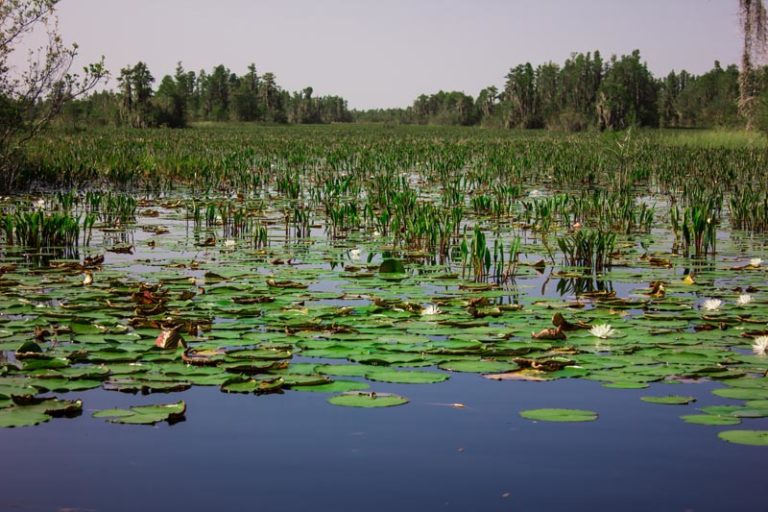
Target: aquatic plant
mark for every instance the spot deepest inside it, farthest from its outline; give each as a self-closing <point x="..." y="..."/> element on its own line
<point x="38" y="229"/>
<point x="588" y="248"/>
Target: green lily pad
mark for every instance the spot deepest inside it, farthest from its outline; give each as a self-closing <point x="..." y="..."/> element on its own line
<point x="337" y="386"/>
<point x="484" y="366"/>
<point x="559" y="415"/>
<point x="626" y="385"/>
<point x="368" y="400"/>
<point x="247" y="385"/>
<point x="64" y="385"/>
<point x="742" y="393"/>
<point x="292" y="380"/>
<point x="406" y="377"/>
<point x="145" y="414"/>
<point x="668" y="400"/>
<point x="747" y="437"/>
<point x="710" y="419"/>
<point x="11" y="417"/>
<point x="347" y="370"/>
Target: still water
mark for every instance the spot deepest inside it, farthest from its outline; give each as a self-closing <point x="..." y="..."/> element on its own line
<point x="296" y="452"/>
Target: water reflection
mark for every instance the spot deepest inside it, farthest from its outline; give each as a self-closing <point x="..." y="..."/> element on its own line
<point x="584" y="286"/>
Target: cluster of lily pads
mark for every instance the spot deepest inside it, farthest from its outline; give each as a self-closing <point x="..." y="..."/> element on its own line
<point x="314" y="318"/>
<point x="340" y="265"/>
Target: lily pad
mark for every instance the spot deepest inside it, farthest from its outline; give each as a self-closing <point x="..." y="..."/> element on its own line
<point x="747" y="437"/>
<point x="368" y="400"/>
<point x="559" y="415"/>
<point x="478" y="366"/>
<point x="406" y="377"/>
<point x="21" y="416"/>
<point x="145" y="414"/>
<point x="710" y="419"/>
<point x="742" y="393"/>
<point x="336" y="386"/>
<point x="668" y="400"/>
<point x="247" y="385"/>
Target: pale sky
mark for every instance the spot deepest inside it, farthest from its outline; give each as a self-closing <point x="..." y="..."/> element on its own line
<point x="384" y="53"/>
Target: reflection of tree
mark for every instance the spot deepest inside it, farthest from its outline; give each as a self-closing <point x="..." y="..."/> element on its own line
<point x="581" y="285"/>
<point x="43" y="258"/>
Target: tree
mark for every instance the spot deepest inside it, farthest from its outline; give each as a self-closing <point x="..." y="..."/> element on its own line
<point x="753" y="25"/>
<point x="580" y="81"/>
<point x="245" y="101"/>
<point x="185" y="88"/>
<point x="669" y="92"/>
<point x="711" y="99"/>
<point x="30" y="99"/>
<point x="136" y="92"/>
<point x="628" y="94"/>
<point x="268" y="92"/>
<point x="218" y="93"/>
<point x="548" y="90"/>
<point x="520" y="94"/>
<point x="170" y="104"/>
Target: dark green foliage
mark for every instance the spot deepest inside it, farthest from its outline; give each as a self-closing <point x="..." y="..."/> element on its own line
<point x="445" y="108"/>
<point x="170" y="104"/>
<point x="135" y="93"/>
<point x="687" y="101"/>
<point x="586" y="92"/>
<point x="218" y="96"/>
<point x="627" y="95"/>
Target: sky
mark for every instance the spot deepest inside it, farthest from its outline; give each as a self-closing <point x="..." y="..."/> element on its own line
<point x="384" y="53"/>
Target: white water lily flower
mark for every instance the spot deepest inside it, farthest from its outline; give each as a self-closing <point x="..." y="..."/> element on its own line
<point x="744" y="299"/>
<point x="760" y="346"/>
<point x="602" y="331"/>
<point x="711" y="304"/>
<point x="354" y="254"/>
<point x="230" y="243"/>
<point x="755" y="262"/>
<point x="39" y="204"/>
<point x="431" y="309"/>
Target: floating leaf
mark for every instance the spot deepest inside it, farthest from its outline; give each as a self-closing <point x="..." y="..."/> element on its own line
<point x="145" y="414"/>
<point x="368" y="400"/>
<point x="748" y="437"/>
<point x="11" y="417"/>
<point x="710" y="419"/>
<point x="347" y="370"/>
<point x="336" y="386"/>
<point x="668" y="400"/>
<point x="247" y="385"/>
<point x="559" y="415"/>
<point x="742" y="393"/>
<point x="478" y="366"/>
<point x="406" y="377"/>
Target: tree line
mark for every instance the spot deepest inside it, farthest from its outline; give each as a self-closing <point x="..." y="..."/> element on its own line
<point x="217" y="95"/>
<point x="589" y="92"/>
<point x="585" y="92"/>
